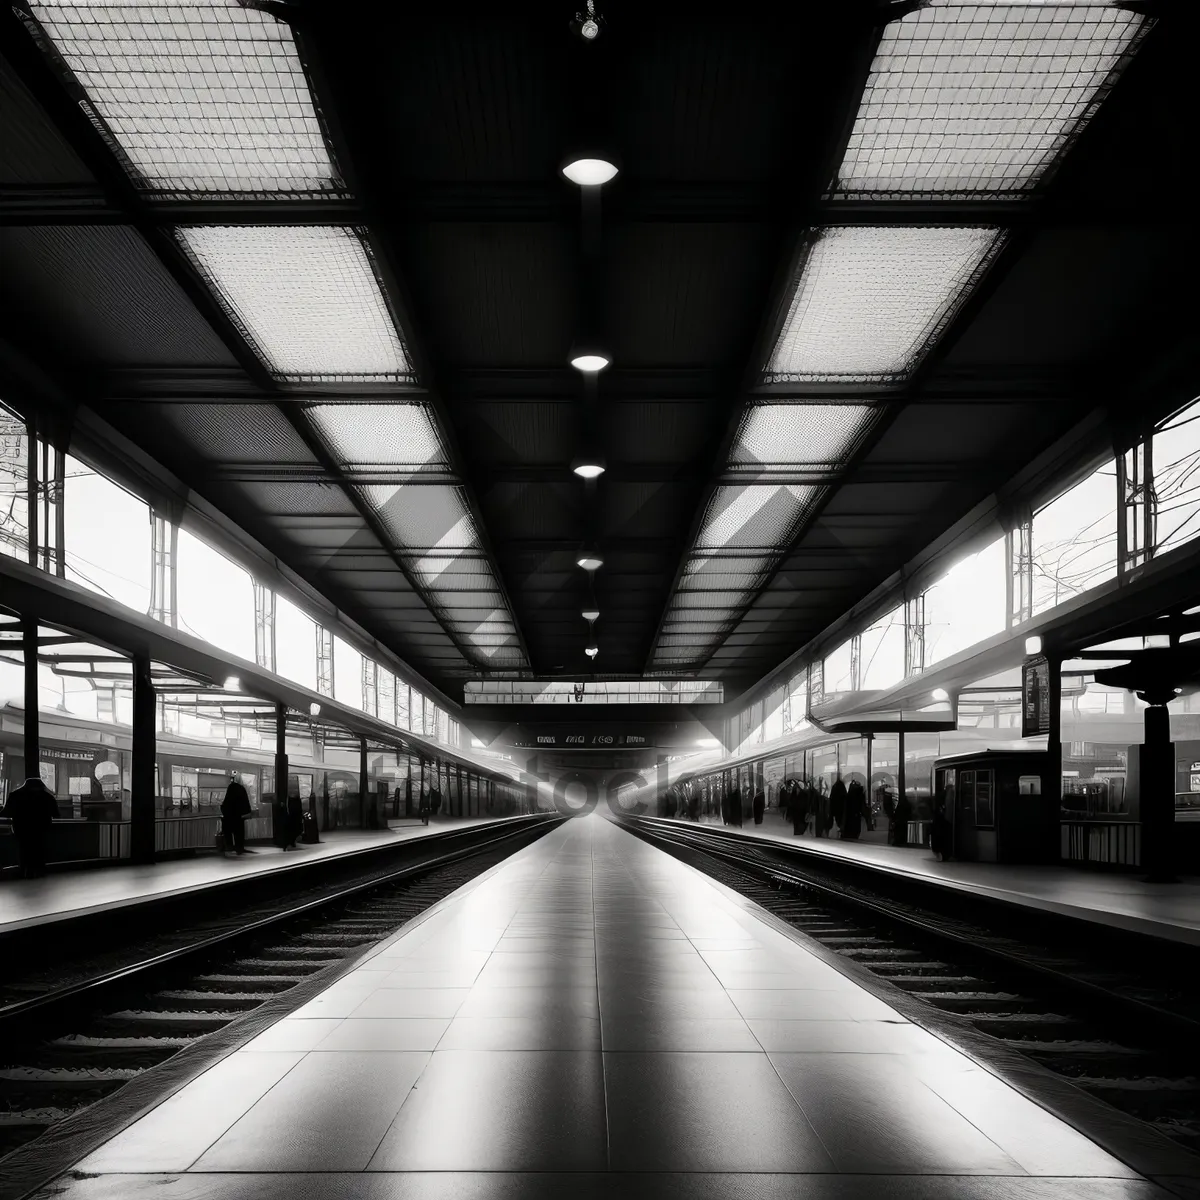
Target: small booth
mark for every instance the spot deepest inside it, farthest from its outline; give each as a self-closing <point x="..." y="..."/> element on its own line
<point x="1001" y="805"/>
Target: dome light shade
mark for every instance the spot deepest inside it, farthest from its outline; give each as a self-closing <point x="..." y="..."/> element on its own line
<point x="590" y="362"/>
<point x="314" y="709"/>
<point x="590" y="172"/>
<point x="940" y="694"/>
<point x="592" y="651"/>
<point x="588" y="469"/>
<point x="590" y="614"/>
<point x="589" y="560"/>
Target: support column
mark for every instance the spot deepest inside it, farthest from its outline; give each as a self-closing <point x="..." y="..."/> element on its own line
<point x="1053" y="801"/>
<point x="901" y="782"/>
<point x="1156" y="793"/>
<point x="362" y="782"/>
<point x="29" y="647"/>
<point x="142" y="846"/>
<point x="280" y="813"/>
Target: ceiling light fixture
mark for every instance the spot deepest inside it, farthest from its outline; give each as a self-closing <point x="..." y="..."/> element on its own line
<point x="314" y="709"/>
<point x="592" y="651"/>
<point x="1033" y="645"/>
<point x="590" y="560"/>
<point x="590" y="361"/>
<point x="587" y="25"/>
<point x="940" y="694"/>
<point x="587" y="171"/>
<point x="232" y="683"/>
<point x="590" y="614"/>
<point x="588" y="469"/>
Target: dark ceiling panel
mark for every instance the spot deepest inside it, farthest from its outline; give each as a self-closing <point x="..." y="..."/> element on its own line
<point x="32" y="152"/>
<point x="683" y="295"/>
<point x="499" y="295"/>
<point x="520" y="431"/>
<point x="101" y="297"/>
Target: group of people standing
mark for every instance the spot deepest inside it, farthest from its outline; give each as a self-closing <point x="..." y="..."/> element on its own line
<point x="812" y="806"/>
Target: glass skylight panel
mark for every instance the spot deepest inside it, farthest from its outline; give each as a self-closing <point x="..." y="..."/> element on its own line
<point x="378" y="436"/>
<point x="871" y="299"/>
<point x="979" y="99"/>
<point x="203" y="97"/>
<point x="306" y="297"/>
<point x="799" y="434"/>
<point x="753" y="515"/>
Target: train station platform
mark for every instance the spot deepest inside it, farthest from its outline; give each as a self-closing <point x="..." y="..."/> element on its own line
<point x="1116" y="899"/>
<point x="69" y="895"/>
<point x="594" y="1018"/>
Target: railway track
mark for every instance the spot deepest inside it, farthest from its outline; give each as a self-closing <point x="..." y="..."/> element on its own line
<point x="1127" y="1034"/>
<point x="63" y="1048"/>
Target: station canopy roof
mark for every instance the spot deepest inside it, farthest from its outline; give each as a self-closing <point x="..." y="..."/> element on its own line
<point x="861" y="262"/>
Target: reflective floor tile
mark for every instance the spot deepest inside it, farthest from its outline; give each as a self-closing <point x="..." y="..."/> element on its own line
<point x="331" y="1004"/>
<point x="705" y="1112"/>
<point x="555" y="1032"/>
<point x="723" y="1034"/>
<point x="385" y="1033"/>
<point x="411" y="1002"/>
<point x="530" y="1002"/>
<point x="874" y="1115"/>
<point x="810" y="1005"/>
<point x="293" y="1034"/>
<point x="172" y="1136"/>
<point x="328" y="1114"/>
<point x="405" y="978"/>
<point x="844" y="1037"/>
<point x="493" y="1185"/>
<point x="501" y="1111"/>
<point x="1036" y="1139"/>
<point x="678" y="1003"/>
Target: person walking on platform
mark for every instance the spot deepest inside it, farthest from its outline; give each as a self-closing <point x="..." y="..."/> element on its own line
<point x="235" y="808"/>
<point x="423" y="808"/>
<point x="31" y="808"/>
<point x="856" y="799"/>
<point x="759" y="806"/>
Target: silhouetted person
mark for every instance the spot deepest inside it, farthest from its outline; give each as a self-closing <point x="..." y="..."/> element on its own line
<point x="837" y="802"/>
<point x="856" y="801"/>
<point x="423" y="808"/>
<point x="435" y="801"/>
<point x="31" y="808"/>
<point x="800" y="802"/>
<point x="295" y="820"/>
<point x="235" y="808"/>
<point x="939" y="831"/>
<point x="759" y="806"/>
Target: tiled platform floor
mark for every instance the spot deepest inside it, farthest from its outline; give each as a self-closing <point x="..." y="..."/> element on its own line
<point x="593" y="1018"/>
<point x="1126" y="901"/>
<point x="65" y="894"/>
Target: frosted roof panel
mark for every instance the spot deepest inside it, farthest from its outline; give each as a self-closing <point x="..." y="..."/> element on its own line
<point x="307" y="298"/>
<point x="979" y="99"/>
<point x="799" y="434"/>
<point x="753" y="515"/>
<point x="203" y="97"/>
<point x="869" y="300"/>
<point x="378" y="435"/>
